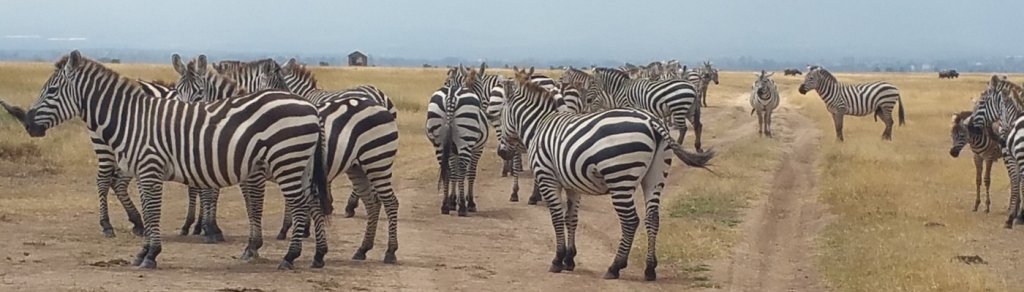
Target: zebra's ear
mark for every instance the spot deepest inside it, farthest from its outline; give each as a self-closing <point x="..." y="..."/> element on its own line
<point x="530" y="73"/>
<point x="483" y="66"/>
<point x="201" y="65"/>
<point x="74" y="61"/>
<point x="769" y="74"/>
<point x="178" y="66"/>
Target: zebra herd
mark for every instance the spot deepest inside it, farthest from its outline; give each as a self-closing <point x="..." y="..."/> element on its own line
<point x="607" y="131"/>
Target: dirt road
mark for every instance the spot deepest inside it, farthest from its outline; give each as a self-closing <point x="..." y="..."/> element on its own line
<point x="50" y="239"/>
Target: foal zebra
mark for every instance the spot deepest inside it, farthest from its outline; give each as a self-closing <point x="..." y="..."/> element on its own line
<point x="764" y="98"/>
<point x="457" y="127"/>
<point x="877" y="98"/>
<point x="612" y="151"/>
<point x="986" y="149"/>
<point x="360" y="139"/>
<point x="157" y="140"/>
<point x="673" y="100"/>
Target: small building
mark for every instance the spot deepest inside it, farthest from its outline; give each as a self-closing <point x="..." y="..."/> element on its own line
<point x="357" y="58"/>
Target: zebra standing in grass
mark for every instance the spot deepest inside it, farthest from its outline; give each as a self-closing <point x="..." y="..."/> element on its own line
<point x="673" y="100"/>
<point x="764" y="98"/>
<point x="157" y="140"/>
<point x="457" y="127"/>
<point x="612" y="151"/>
<point x="708" y="74"/>
<point x="877" y="98"/>
<point x="986" y="151"/>
<point x="1000" y="105"/>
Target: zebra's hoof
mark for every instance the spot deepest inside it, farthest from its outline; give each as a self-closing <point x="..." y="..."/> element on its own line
<point x="531" y="202"/>
<point x="359" y="256"/>
<point x="219" y="237"/>
<point x="463" y="213"/>
<point x="390" y="258"/>
<point x="184" y="231"/>
<point x="285" y="265"/>
<point x="138" y="261"/>
<point x="513" y="198"/>
<point x="138" y="231"/>
<point x="148" y="264"/>
<point x="445" y="211"/>
<point x="556" y="268"/>
<point x="209" y="239"/>
<point x="248" y="255"/>
<point x="471" y="209"/>
<point x="109" y="233"/>
<point x="611" y="275"/>
<point x="317" y="264"/>
<point x="350" y="213"/>
<point x="283" y="235"/>
<point x="650" y="274"/>
<point x="1008" y="225"/>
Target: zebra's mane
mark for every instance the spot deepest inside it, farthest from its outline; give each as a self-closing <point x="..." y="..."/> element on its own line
<point x="824" y="73"/>
<point x="303" y="73"/>
<point x="98" y="68"/>
<point x="961" y="116"/>
<point x="611" y="71"/>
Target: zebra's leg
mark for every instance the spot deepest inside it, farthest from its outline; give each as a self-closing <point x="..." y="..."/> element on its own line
<point x="253" y="191"/>
<point x="105" y="177"/>
<point x="682" y="128"/>
<point x="447" y="192"/>
<point x="361" y="186"/>
<point x="350" y="207"/>
<point x="653" y="184"/>
<point x="886" y="116"/>
<point x="988" y="182"/>
<point x="768" y="122"/>
<point x="471" y="180"/>
<point x="121" y="192"/>
<point x="506" y="168"/>
<point x="298" y="201"/>
<point x="380" y="179"/>
<point x="1014" y="173"/>
<point x="698" y="130"/>
<point x="837" y="118"/>
<point x="572" y="221"/>
<point x="760" y="123"/>
<point x="199" y="227"/>
<point x="151" y="192"/>
<point x="622" y="198"/>
<point x="977" y="181"/>
<point x="286" y="223"/>
<point x="190" y="214"/>
<point x="535" y="196"/>
<point x="515" y="169"/>
<point x="550" y="191"/>
<point x="213" y="232"/>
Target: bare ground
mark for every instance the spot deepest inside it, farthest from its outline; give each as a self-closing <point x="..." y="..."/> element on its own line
<point x="506" y="246"/>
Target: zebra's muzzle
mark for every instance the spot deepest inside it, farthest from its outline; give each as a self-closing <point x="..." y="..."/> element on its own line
<point x="955" y="151"/>
<point x="34" y="130"/>
<point x="803" y="89"/>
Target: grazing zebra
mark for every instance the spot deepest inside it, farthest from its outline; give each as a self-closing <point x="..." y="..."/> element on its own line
<point x="986" y="150"/>
<point x="612" y="151"/>
<point x="673" y="100"/>
<point x="457" y="127"/>
<point x="764" y="98"/>
<point x="877" y="98"/>
<point x="157" y="140"/>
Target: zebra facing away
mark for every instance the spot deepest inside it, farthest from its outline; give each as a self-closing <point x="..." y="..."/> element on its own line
<point x="612" y="151"/>
<point x="877" y="98"/>
<point x="269" y="132"/>
<point x="457" y="127"/>
<point x="360" y="139"/>
<point x="986" y="151"/>
<point x="764" y="98"/>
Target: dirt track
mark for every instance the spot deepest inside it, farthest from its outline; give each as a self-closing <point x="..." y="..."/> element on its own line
<point x="506" y="246"/>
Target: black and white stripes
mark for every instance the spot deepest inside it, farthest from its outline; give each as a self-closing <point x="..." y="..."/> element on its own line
<point x="457" y="127"/>
<point x="877" y="98"/>
<point x="764" y="98"/>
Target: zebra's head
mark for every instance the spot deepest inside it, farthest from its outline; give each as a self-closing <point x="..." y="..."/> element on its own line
<point x="813" y="79"/>
<point x="709" y="72"/>
<point x="958" y="132"/>
<point x="297" y="77"/>
<point x="192" y="82"/>
<point x="60" y="98"/>
<point x="762" y="85"/>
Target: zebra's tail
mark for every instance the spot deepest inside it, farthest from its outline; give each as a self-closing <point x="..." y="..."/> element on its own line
<point x="700" y="160"/>
<point x="899" y="100"/>
<point x="320" y="180"/>
<point x="446" y="134"/>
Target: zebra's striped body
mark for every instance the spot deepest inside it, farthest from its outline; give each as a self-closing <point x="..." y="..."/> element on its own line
<point x="995" y="108"/>
<point x="878" y="98"/>
<point x="612" y="151"/>
<point x="457" y="127"/>
<point x="764" y="98"/>
<point x="157" y="140"/>
<point x="986" y="151"/>
<point x="675" y="101"/>
<point x="361" y="135"/>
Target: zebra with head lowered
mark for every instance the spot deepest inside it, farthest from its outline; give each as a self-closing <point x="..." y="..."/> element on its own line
<point x="876" y="98"/>
<point x="156" y="140"/>
<point x="457" y="127"/>
<point x="613" y="151"/>
<point x="986" y="151"/>
<point x="673" y="100"/>
<point x="764" y="98"/>
<point x="360" y="140"/>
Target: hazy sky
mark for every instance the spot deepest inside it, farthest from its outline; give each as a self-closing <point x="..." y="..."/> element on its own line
<point x="554" y="29"/>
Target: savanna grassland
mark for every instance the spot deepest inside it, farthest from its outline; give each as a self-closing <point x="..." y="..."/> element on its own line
<point x="864" y="215"/>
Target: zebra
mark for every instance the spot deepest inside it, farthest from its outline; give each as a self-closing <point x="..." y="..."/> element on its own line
<point x="764" y="98"/>
<point x="877" y="98"/>
<point x="456" y="125"/>
<point x="361" y="141"/>
<point x="702" y="78"/>
<point x="610" y="151"/>
<point x="986" y="149"/>
<point x="673" y="100"/>
<point x="151" y="149"/>
<point x="998" y="105"/>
